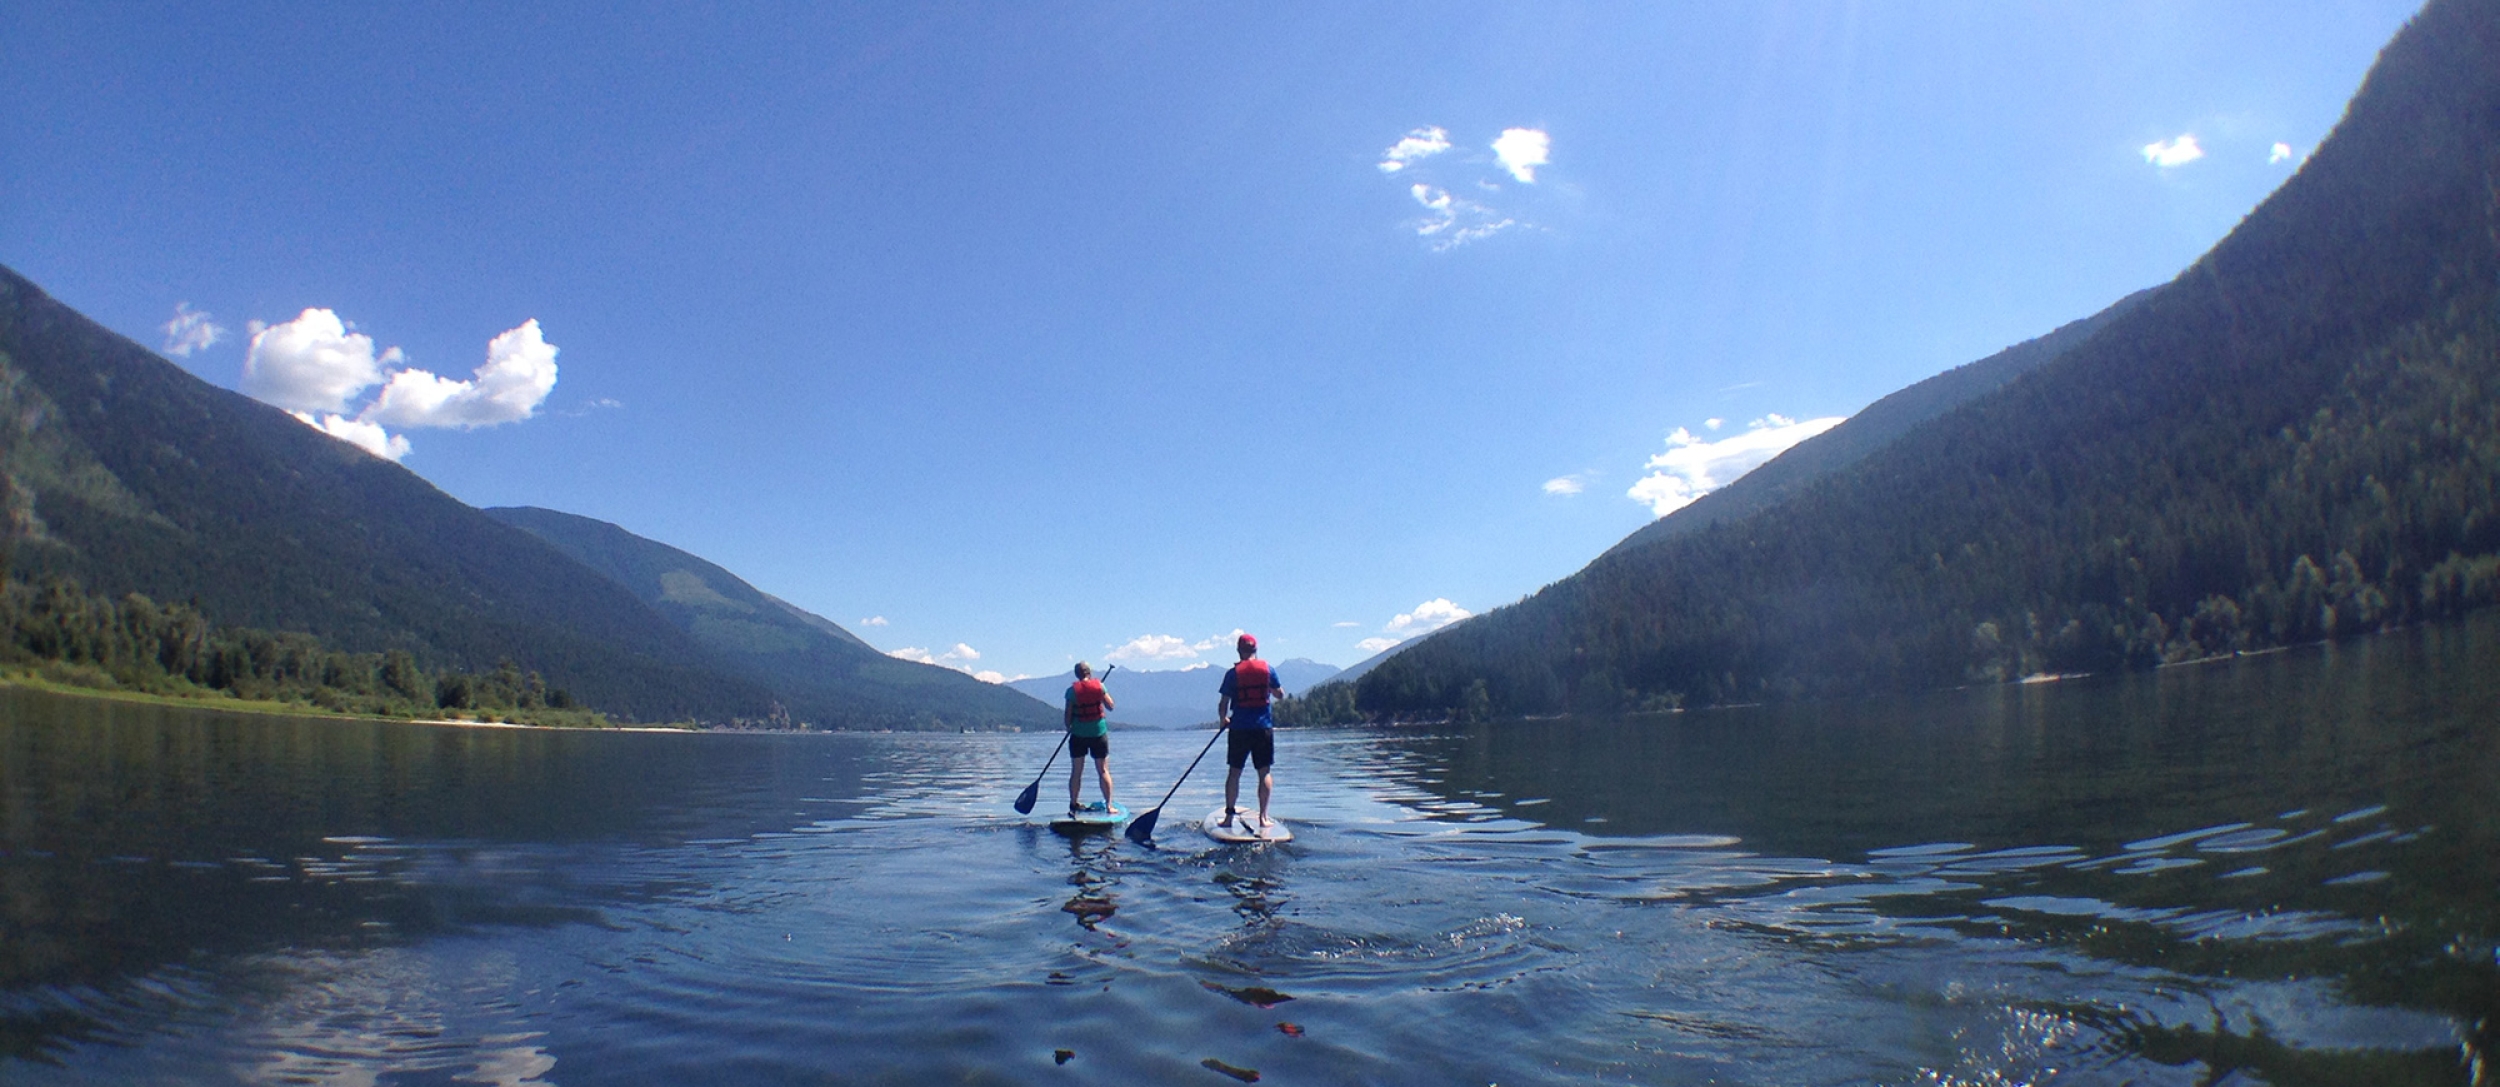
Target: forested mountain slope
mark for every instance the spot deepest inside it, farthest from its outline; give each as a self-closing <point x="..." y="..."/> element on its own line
<point x="1879" y="424"/>
<point x="825" y="676"/>
<point x="2298" y="437"/>
<point x="121" y="470"/>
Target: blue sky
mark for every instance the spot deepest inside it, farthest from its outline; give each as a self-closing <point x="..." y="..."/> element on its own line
<point x="1038" y="332"/>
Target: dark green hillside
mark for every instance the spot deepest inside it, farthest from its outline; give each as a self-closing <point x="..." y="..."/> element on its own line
<point x="2299" y="437"/>
<point x="1878" y="425"/>
<point x="130" y="475"/>
<point x="824" y="675"/>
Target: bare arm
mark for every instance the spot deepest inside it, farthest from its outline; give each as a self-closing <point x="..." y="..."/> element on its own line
<point x="1223" y="710"/>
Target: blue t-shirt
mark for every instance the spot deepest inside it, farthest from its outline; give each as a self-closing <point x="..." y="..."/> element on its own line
<point x="1253" y="717"/>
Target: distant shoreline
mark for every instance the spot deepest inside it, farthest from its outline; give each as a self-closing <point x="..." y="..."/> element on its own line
<point x="287" y="709"/>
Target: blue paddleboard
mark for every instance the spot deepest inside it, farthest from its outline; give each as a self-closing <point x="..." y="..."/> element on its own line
<point x="1089" y="819"/>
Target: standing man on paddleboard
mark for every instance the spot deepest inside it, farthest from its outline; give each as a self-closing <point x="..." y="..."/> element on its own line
<point x="1087" y="702"/>
<point x="1242" y="705"/>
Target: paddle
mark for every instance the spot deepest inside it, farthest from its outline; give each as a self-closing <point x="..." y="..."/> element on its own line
<point x="1033" y="792"/>
<point x="1142" y="831"/>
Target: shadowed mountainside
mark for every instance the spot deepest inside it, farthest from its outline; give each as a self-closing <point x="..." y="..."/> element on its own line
<point x="825" y="676"/>
<point x="2298" y="437"/>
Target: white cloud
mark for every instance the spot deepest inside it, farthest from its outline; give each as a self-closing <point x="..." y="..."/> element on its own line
<point x="1158" y="647"/>
<point x="955" y="658"/>
<point x="1713" y="424"/>
<point x="987" y="676"/>
<point x="520" y="371"/>
<point x="369" y="437"/>
<point x="2173" y="152"/>
<point x="1433" y="178"/>
<point x="1565" y="485"/>
<point x="2282" y="152"/>
<point x="1420" y="144"/>
<point x="191" y="330"/>
<point x="312" y="363"/>
<point x="317" y="364"/>
<point x="1429" y="616"/>
<point x="1522" y="150"/>
<point x="1347" y="625"/>
<point x="1692" y="467"/>
<point x="873" y="621"/>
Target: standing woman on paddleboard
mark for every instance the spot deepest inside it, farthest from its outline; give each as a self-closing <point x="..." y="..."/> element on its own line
<point x="1088" y="733"/>
<point x="1242" y="705"/>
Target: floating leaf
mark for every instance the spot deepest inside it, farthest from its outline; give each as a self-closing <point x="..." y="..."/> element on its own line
<point x="1246" y="1075"/>
<point x="1257" y="996"/>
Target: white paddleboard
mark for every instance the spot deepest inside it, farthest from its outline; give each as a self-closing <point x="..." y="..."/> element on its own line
<point x="1244" y="828"/>
<point x="1064" y="819"/>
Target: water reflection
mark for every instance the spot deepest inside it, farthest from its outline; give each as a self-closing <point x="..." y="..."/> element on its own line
<point x="2281" y="869"/>
<point x="2324" y="814"/>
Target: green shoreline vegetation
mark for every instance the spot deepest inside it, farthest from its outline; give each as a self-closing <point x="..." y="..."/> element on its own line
<point x="57" y="636"/>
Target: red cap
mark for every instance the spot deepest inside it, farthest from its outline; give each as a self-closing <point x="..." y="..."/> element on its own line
<point x="1247" y="642"/>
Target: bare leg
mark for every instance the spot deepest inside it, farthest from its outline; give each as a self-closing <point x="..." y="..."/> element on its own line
<point x="1267" y="786"/>
<point x="1102" y="773"/>
<point x="1232" y="794"/>
<point x="1076" y="781"/>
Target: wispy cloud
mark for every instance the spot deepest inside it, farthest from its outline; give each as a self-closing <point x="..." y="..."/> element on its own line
<point x="1452" y="221"/>
<point x="1521" y="151"/>
<point x="191" y="330"/>
<point x="317" y="365"/>
<point x="1420" y="144"/>
<point x="2282" y="153"/>
<point x="2178" y="151"/>
<point x="1436" y="170"/>
<point x="873" y="621"/>
<point x="1567" y="485"/>
<point x="1347" y="625"/>
<point x="1692" y="466"/>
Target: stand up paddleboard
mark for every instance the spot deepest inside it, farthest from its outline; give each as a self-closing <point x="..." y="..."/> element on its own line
<point x="1090" y="819"/>
<point x="1244" y="828"/>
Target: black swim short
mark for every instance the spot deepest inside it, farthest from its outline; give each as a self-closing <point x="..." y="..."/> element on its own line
<point x="1256" y="745"/>
<point x="1097" y="746"/>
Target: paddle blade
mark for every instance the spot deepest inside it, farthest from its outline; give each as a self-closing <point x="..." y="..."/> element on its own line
<point x="1024" y="800"/>
<point x="1142" y="831"/>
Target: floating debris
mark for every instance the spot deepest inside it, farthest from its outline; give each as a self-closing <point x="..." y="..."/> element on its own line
<point x="1257" y="996"/>
<point x="1062" y="1056"/>
<point x="1290" y="1030"/>
<point x="1246" y="1075"/>
<point x="1089" y="911"/>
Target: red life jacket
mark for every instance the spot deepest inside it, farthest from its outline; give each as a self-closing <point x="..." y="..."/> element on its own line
<point x="1253" y="682"/>
<point x="1089" y="698"/>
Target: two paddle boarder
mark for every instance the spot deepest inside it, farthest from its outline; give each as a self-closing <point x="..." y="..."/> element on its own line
<point x="1243" y="707"/>
<point x="1087" y="702"/>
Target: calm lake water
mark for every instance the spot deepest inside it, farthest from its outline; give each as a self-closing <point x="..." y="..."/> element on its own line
<point x="2282" y="870"/>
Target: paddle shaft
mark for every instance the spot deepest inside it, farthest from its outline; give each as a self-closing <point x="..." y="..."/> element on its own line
<point x="1144" y="827"/>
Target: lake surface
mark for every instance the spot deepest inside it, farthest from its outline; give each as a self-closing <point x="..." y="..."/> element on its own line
<point x="2282" y="869"/>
